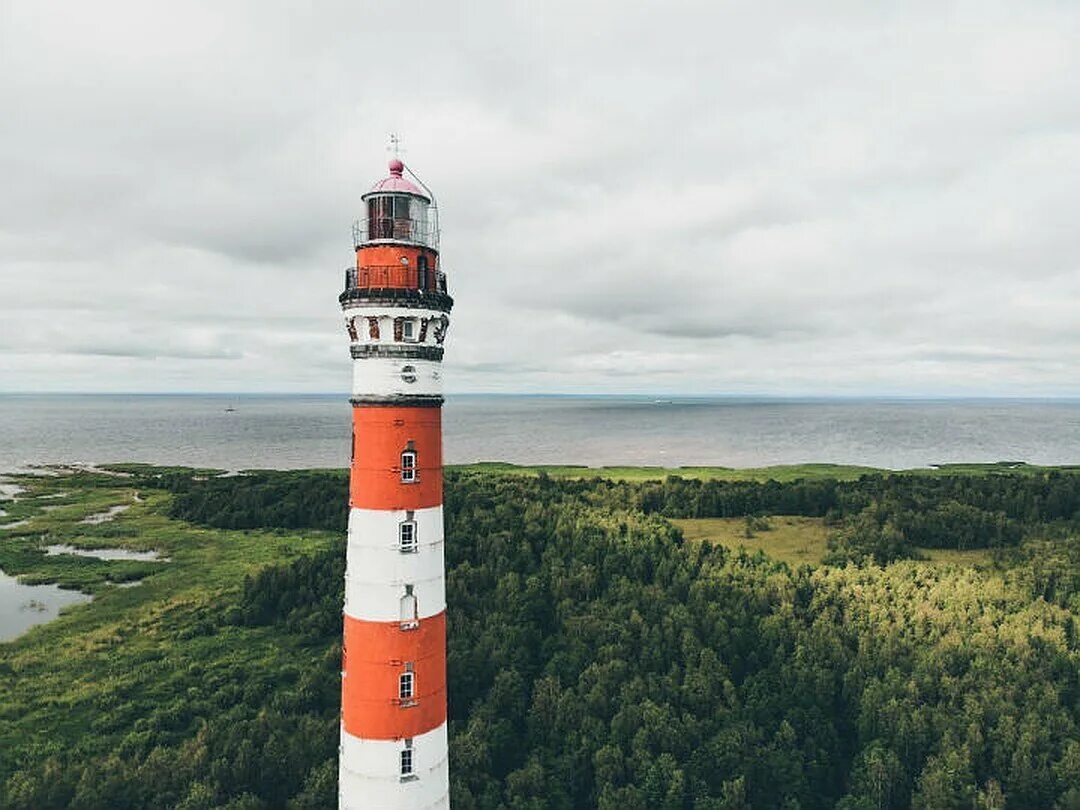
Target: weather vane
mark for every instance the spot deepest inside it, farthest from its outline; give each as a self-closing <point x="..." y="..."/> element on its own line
<point x="395" y="145"/>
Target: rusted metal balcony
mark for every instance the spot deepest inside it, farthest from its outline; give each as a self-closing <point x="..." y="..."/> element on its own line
<point x="387" y="284"/>
<point x="391" y="275"/>
<point x="395" y="276"/>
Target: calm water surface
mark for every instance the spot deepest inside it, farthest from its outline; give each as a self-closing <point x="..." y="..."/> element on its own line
<point x="23" y="606"/>
<point x="313" y="431"/>
<point x="102" y="553"/>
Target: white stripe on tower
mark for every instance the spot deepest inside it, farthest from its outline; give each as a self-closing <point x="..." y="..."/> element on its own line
<point x="379" y="571"/>
<point x="373" y="759"/>
<point x="396" y="376"/>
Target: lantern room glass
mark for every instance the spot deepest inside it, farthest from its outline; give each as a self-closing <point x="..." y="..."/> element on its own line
<point x="399" y="217"/>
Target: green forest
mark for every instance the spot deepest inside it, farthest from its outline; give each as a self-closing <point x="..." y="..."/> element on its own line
<point x="596" y="657"/>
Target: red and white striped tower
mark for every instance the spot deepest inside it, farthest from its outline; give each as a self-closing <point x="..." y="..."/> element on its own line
<point x="393" y="687"/>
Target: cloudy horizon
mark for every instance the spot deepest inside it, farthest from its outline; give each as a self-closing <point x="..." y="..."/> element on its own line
<point x="695" y="198"/>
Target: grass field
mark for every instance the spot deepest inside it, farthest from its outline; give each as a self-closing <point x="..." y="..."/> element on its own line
<point x="785" y="472"/>
<point x="798" y="540"/>
<point x="794" y="540"/>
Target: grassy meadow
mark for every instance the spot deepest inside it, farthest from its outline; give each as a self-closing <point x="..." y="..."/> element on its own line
<point x="798" y="540"/>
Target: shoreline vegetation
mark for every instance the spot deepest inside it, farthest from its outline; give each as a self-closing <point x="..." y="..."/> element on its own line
<point x="778" y="472"/>
<point x="810" y="636"/>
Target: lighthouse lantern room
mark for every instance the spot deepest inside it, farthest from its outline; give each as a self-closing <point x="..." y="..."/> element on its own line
<point x="397" y="241"/>
<point x="393" y="695"/>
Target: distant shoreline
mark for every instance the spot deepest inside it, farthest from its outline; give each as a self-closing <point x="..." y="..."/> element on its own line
<point x="691" y="435"/>
<point x="776" y="472"/>
<point x="658" y="399"/>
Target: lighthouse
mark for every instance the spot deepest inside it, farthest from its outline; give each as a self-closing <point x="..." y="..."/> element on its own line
<point x="393" y="752"/>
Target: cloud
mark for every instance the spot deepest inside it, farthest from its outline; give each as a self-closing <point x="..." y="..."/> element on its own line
<point x="770" y="197"/>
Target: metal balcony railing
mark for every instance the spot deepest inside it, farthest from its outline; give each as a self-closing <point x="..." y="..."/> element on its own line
<point x="395" y="276"/>
<point x="374" y="229"/>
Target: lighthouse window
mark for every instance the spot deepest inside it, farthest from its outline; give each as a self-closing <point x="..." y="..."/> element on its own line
<point x="408" y="620"/>
<point x="406" y="683"/>
<point x="402" y="224"/>
<point x="381" y="218"/>
<point x="407" y="760"/>
<point x="407" y="537"/>
<point x="408" y="467"/>
<point x="388" y="217"/>
<point x="408" y="329"/>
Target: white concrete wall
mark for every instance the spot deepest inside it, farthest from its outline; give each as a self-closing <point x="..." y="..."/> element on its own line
<point x="377" y="572"/>
<point x="369" y="773"/>
<point x="386" y="376"/>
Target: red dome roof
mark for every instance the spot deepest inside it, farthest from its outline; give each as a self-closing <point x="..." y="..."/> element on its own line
<point x="395" y="182"/>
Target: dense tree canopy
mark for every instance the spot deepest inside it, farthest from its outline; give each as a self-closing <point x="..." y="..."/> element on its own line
<point x="598" y="660"/>
<point x="884" y="517"/>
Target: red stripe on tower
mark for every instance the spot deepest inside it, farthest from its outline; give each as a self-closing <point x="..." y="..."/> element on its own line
<point x="393" y="697"/>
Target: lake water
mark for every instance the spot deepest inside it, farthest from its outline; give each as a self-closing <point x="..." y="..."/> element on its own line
<point x="313" y="431"/>
<point x="104" y="553"/>
<point x="106" y="516"/>
<point x="23" y="606"/>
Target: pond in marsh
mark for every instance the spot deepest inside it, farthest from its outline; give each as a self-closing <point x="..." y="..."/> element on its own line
<point x="107" y="515"/>
<point x="104" y="553"/>
<point x="8" y="491"/>
<point x="23" y="606"/>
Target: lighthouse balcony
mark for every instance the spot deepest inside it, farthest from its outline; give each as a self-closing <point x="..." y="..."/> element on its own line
<point x="395" y="275"/>
<point x="376" y="230"/>
<point x="392" y="283"/>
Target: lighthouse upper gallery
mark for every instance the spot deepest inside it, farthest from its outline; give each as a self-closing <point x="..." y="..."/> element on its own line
<point x="393" y="689"/>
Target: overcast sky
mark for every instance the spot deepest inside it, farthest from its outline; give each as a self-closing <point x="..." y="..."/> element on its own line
<point x="690" y="197"/>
